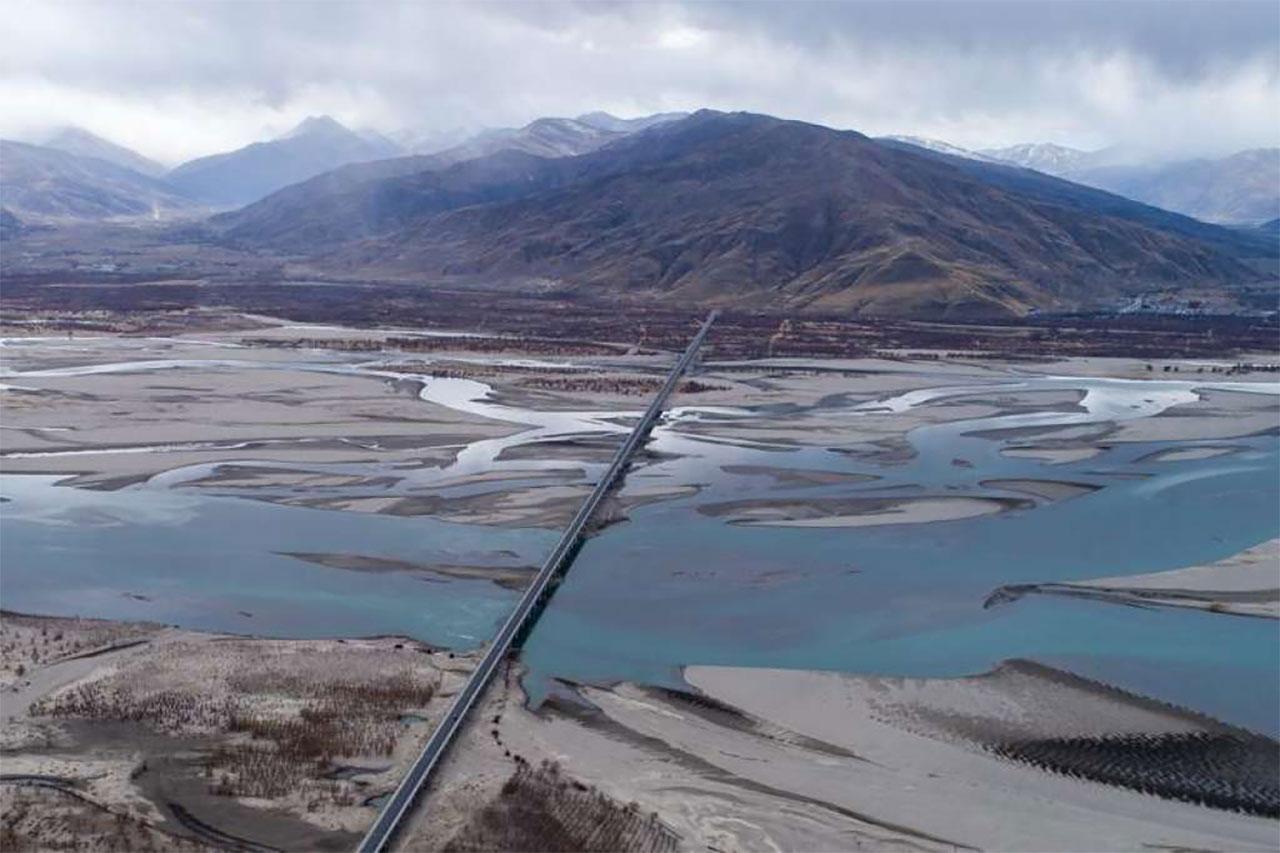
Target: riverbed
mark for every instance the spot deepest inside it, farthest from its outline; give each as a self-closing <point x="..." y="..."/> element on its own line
<point x="854" y="519"/>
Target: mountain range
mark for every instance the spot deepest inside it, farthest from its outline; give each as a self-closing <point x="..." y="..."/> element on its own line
<point x="751" y="210"/>
<point x="64" y="177"/>
<point x="716" y="208"/>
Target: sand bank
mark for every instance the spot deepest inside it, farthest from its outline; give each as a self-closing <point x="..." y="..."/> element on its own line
<point x="1246" y="584"/>
<point x="510" y="577"/>
<point x="1189" y="454"/>
<point x="1049" y="490"/>
<point x="791" y="760"/>
<point x="858" y="512"/>
<point x="1053" y="455"/>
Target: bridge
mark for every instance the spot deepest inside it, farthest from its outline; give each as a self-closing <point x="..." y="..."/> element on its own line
<point x="526" y="611"/>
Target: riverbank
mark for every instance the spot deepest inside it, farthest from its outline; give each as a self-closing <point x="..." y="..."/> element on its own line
<point x="753" y="759"/>
<point x="281" y="743"/>
<point x="1246" y="584"/>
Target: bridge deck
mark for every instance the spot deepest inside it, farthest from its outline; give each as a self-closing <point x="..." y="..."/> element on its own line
<point x="526" y="610"/>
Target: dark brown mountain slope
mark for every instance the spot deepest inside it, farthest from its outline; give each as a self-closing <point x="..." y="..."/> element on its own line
<point x="748" y="209"/>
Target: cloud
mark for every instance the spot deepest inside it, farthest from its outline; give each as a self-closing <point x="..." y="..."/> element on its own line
<point x="176" y="80"/>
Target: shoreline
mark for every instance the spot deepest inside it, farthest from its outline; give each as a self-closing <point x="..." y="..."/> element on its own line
<point x="1245" y="584"/>
<point x="802" y="760"/>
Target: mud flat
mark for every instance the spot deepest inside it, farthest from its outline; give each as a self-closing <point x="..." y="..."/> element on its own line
<point x="858" y="512"/>
<point x="1053" y="455"/>
<point x="510" y="577"/>
<point x="135" y="424"/>
<point x="1048" y="490"/>
<point x="210" y="738"/>
<point x="1190" y="454"/>
<point x="1021" y="758"/>
<point x="1217" y="414"/>
<point x="797" y="476"/>
<point x="1246" y="584"/>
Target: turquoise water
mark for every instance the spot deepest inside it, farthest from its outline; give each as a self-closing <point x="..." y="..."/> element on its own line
<point x="674" y="586"/>
<point x="908" y="599"/>
<point x="216" y="563"/>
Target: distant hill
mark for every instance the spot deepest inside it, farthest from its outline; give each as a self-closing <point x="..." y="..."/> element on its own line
<point x="1234" y="242"/>
<point x="44" y="184"/>
<point x="545" y="137"/>
<point x="555" y="137"/>
<point x="368" y="199"/>
<point x="751" y="210"/>
<point x="429" y="141"/>
<point x="940" y="147"/>
<point x="1241" y="189"/>
<point x="10" y="225"/>
<point x="1058" y="160"/>
<point x="247" y="174"/>
<point x="78" y="141"/>
<point x="605" y="121"/>
<point x="360" y="200"/>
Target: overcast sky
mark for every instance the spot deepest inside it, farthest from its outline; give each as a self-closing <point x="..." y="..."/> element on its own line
<point x="179" y="79"/>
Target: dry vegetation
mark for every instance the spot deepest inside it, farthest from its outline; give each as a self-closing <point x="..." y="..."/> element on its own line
<point x="450" y="343"/>
<point x="542" y="809"/>
<point x="553" y="378"/>
<point x="41" y="818"/>
<point x="287" y="711"/>
<point x="30" y="641"/>
<point x="623" y="386"/>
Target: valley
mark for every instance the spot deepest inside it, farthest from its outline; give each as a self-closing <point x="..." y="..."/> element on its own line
<point x="229" y="465"/>
<point x="640" y="427"/>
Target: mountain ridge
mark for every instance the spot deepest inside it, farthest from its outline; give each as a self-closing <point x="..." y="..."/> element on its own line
<point x="745" y="209"/>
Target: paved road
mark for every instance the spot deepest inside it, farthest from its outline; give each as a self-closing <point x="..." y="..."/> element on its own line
<point x="393" y="813"/>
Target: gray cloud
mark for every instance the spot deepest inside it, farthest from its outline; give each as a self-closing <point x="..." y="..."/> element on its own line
<point x="179" y="79"/>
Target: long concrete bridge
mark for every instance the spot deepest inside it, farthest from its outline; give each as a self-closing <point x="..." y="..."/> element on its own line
<point x="526" y="611"/>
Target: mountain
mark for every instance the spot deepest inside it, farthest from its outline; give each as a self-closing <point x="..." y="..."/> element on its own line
<point x="39" y="183"/>
<point x="545" y="137"/>
<point x="1058" y="160"/>
<point x="359" y="200"/>
<point x="78" y="141"/>
<point x="605" y="121"/>
<point x="1088" y="199"/>
<point x="749" y="210"/>
<point x="383" y="142"/>
<point x="368" y="199"/>
<point x="939" y="146"/>
<point x="242" y="176"/>
<point x="1243" y="188"/>
<point x="10" y="225"/>
<point x="429" y="141"/>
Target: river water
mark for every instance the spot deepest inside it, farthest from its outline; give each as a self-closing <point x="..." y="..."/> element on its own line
<point x="675" y="586"/>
